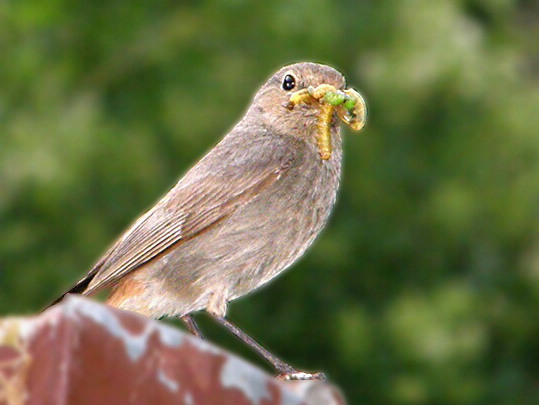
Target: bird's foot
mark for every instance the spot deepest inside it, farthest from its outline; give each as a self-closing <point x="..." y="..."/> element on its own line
<point x="289" y="373"/>
<point x="301" y="376"/>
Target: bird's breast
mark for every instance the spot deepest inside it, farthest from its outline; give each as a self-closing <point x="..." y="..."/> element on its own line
<point x="283" y="221"/>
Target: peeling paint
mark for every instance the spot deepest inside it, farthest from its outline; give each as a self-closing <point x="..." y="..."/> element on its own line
<point x="14" y="369"/>
<point x="171" y="357"/>
<point x="188" y="399"/>
<point x="167" y="381"/>
<point x="34" y="325"/>
<point x="169" y="336"/>
<point x="249" y="380"/>
<point x="205" y="347"/>
<point x="289" y="398"/>
<point x="10" y="332"/>
<point x="135" y="345"/>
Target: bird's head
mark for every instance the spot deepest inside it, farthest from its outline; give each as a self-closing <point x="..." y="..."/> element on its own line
<point x="273" y="108"/>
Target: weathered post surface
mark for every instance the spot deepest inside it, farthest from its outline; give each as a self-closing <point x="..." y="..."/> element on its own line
<point x="83" y="352"/>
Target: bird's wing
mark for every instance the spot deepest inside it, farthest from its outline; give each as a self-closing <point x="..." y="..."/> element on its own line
<point x="209" y="193"/>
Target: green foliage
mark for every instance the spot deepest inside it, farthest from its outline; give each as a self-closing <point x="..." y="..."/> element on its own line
<point x="424" y="288"/>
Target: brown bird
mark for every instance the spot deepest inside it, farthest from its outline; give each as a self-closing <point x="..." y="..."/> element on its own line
<point x="243" y="214"/>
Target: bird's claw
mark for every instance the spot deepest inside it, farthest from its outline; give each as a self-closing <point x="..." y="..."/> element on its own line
<point x="301" y="376"/>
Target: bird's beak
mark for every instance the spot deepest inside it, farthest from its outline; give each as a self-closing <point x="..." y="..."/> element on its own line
<point x="348" y="104"/>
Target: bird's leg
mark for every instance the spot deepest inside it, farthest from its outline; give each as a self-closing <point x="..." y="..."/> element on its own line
<point x="192" y="326"/>
<point x="286" y="372"/>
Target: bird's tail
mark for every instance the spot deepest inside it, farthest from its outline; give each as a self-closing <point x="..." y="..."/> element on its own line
<point x="78" y="288"/>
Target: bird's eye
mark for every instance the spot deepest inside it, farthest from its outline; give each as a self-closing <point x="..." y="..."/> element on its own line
<point x="289" y="82"/>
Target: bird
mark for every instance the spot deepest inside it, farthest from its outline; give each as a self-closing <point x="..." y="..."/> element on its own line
<point x="240" y="216"/>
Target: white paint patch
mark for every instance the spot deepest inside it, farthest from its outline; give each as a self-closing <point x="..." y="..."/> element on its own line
<point x="30" y="326"/>
<point x="204" y="346"/>
<point x="249" y="380"/>
<point x="289" y="398"/>
<point x="135" y="345"/>
<point x="169" y="336"/>
<point x="166" y="381"/>
<point x="188" y="399"/>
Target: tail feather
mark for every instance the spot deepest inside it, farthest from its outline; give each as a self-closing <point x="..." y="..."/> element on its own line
<point x="78" y="288"/>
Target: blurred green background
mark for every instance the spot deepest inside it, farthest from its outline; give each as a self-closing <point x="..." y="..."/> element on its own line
<point x="423" y="289"/>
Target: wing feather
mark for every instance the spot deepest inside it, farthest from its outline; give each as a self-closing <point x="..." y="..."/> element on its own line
<point x="210" y="192"/>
